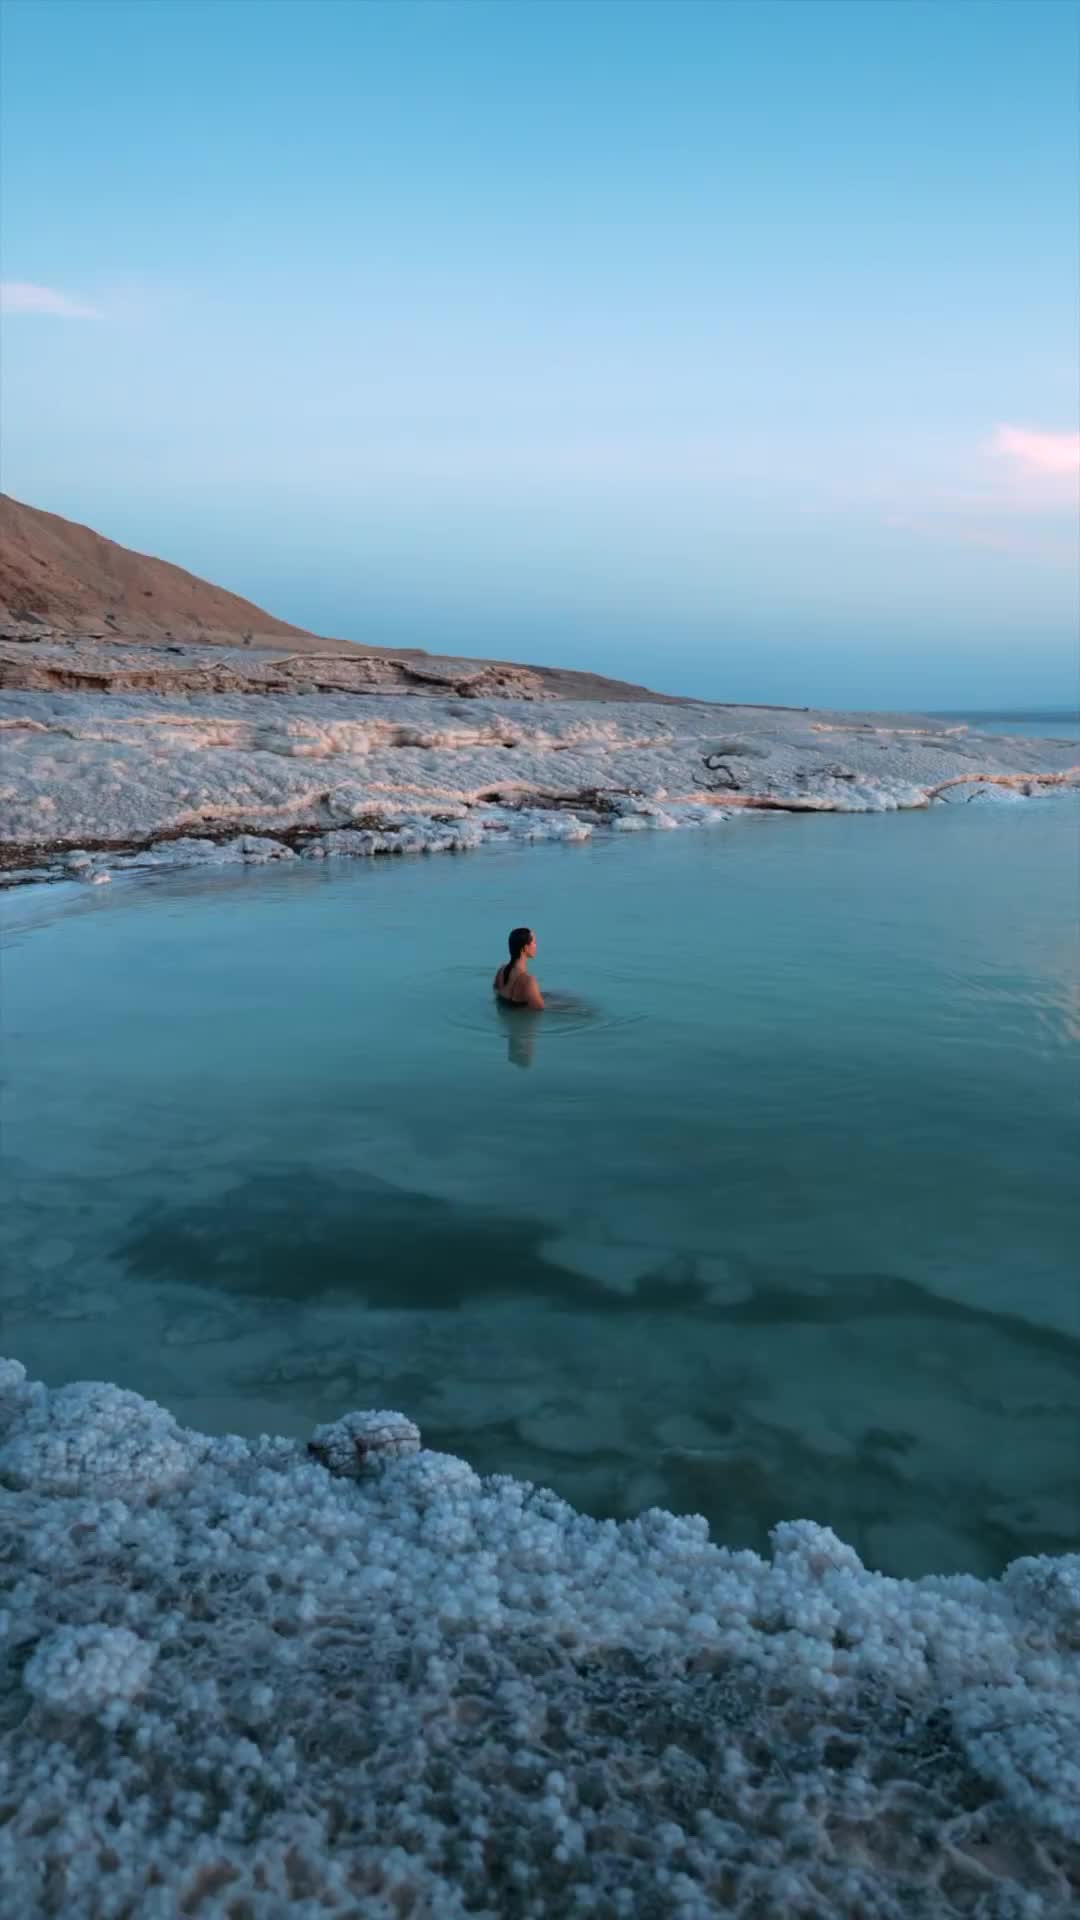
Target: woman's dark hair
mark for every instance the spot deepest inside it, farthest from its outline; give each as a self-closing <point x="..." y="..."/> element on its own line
<point x="518" y="941"/>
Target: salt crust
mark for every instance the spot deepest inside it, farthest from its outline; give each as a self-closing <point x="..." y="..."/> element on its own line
<point x="85" y="1669"/>
<point x="236" y="1684"/>
<point x="140" y="779"/>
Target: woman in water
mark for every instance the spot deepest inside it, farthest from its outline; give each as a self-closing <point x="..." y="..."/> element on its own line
<point x="514" y="983"/>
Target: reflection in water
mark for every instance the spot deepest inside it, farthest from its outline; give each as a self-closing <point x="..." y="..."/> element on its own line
<point x="563" y="1012"/>
<point x="521" y="1030"/>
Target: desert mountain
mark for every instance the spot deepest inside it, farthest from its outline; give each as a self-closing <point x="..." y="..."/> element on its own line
<point x="60" y="578"/>
<point x="85" y="600"/>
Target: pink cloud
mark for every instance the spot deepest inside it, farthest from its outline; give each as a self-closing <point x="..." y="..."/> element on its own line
<point x="1038" y="454"/>
<point x="22" y="296"/>
<point x="1019" y="501"/>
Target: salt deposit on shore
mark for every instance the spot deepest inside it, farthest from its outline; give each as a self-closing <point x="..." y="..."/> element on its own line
<point x="244" y="1676"/>
<point x="272" y="764"/>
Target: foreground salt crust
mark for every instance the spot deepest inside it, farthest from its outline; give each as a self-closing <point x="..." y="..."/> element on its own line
<point x="92" y="781"/>
<point x="241" y="1678"/>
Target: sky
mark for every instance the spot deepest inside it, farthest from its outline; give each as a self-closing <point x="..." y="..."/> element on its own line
<point x="734" y="348"/>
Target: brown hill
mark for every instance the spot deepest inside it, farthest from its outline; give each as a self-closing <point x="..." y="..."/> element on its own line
<point x="61" y="582"/>
<point x="63" y="578"/>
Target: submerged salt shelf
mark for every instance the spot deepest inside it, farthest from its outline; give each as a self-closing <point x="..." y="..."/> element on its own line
<point x="359" y="1679"/>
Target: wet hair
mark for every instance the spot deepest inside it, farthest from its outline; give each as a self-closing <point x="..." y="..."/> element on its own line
<point x="518" y="941"/>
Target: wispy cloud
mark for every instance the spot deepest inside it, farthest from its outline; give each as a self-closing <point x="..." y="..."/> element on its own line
<point x="22" y="296"/>
<point x="1015" y="493"/>
<point x="1038" y="454"/>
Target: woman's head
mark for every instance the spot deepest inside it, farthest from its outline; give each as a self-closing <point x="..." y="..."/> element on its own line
<point x="522" y="941"/>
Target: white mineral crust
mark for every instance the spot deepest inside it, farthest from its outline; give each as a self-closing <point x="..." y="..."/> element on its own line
<point x="93" y="781"/>
<point x="235" y="1682"/>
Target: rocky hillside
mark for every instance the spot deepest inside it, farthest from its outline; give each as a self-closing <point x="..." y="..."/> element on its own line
<point x="61" y="579"/>
<point x="83" y="601"/>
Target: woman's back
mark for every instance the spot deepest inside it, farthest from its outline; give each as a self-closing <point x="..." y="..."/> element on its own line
<point x="516" y="988"/>
<point x="514" y="983"/>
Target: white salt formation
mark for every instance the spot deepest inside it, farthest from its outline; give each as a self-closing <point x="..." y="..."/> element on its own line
<point x="82" y="1669"/>
<point x="352" y="1445"/>
<point x="237" y="1684"/>
<point x="254" y="759"/>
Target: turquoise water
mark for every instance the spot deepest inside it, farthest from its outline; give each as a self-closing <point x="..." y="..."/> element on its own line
<point x="777" y="1217"/>
<point x="1030" y="723"/>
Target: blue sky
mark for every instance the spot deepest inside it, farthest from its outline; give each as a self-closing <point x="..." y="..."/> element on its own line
<point x="733" y="347"/>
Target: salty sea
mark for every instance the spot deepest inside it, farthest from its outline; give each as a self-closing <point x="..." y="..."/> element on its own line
<point x="1030" y="723"/>
<point x="774" y="1214"/>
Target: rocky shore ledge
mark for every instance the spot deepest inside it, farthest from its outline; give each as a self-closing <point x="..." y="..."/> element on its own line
<point x="244" y="1677"/>
<point x="119" y="756"/>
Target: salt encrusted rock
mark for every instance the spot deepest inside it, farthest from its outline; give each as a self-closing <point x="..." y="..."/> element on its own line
<point x="12" y="1377"/>
<point x="435" y="1477"/>
<point x="457" y="1695"/>
<point x="349" y="1446"/>
<point x="813" y="1550"/>
<point x="17" y="1393"/>
<point x="982" y="793"/>
<point x="1030" y="1750"/>
<point x="1048" y="1589"/>
<point x="100" y="1439"/>
<point x="256" y="847"/>
<point x="82" y="1669"/>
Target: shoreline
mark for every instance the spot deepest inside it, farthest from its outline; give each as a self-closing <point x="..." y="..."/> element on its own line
<point x="247" y="844"/>
<point x="176" y="757"/>
<point x="357" y="1673"/>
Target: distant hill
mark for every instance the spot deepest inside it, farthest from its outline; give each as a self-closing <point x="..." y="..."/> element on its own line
<point x="59" y="577"/>
<point x="60" y="581"/>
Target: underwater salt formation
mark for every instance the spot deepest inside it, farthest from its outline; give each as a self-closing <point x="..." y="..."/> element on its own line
<point x="244" y="1676"/>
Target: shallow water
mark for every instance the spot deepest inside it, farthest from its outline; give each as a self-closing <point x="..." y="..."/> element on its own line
<point x="777" y="1217"/>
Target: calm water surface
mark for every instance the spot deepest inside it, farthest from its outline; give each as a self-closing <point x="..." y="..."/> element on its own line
<point x="780" y="1220"/>
<point x="1032" y="723"/>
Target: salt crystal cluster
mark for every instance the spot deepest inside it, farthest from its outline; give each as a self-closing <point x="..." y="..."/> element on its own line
<point x="95" y="1438"/>
<point x="242" y="1678"/>
<point x="81" y="1669"/>
<point x="358" y="1441"/>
